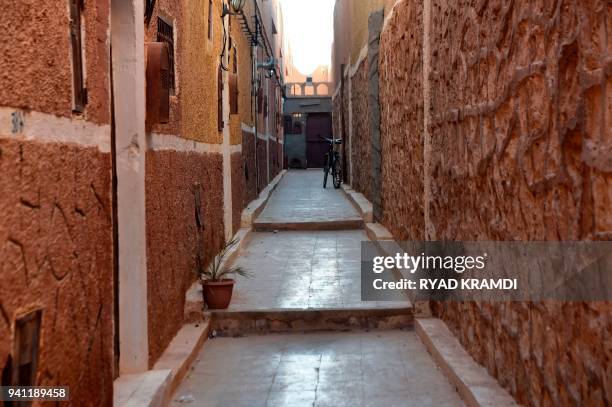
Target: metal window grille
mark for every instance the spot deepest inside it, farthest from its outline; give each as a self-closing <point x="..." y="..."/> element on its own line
<point x="165" y="33"/>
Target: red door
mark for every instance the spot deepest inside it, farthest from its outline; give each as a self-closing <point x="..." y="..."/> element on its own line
<point x="317" y="125"/>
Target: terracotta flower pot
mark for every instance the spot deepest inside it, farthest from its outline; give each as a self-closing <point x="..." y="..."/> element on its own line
<point x="218" y="294"/>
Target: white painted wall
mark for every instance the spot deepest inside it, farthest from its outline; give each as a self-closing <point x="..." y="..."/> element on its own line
<point x="127" y="36"/>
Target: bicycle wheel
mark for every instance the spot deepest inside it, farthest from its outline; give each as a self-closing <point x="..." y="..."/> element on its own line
<point x="325" y="171"/>
<point x="337" y="172"/>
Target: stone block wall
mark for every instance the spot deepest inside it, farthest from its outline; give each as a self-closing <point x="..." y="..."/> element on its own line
<point x="520" y="150"/>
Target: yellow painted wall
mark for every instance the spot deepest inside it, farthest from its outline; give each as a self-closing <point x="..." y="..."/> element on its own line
<point x="199" y="63"/>
<point x="243" y="49"/>
<point x="351" y="30"/>
<point x="360" y="10"/>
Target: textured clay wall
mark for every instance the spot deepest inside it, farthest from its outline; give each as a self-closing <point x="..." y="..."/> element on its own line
<point x="361" y="147"/>
<point x="522" y="143"/>
<point x="248" y="155"/>
<point x="520" y="95"/>
<point x="55" y="201"/>
<point x="36" y="58"/>
<point x="170" y="10"/>
<point x="173" y="238"/>
<point x="262" y="164"/>
<point x="238" y="190"/>
<point x="198" y="63"/>
<point x="401" y="105"/>
<point x="173" y="235"/>
<point x="275" y="159"/>
<point x="55" y="256"/>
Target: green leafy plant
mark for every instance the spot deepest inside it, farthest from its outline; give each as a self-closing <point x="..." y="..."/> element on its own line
<point x="217" y="270"/>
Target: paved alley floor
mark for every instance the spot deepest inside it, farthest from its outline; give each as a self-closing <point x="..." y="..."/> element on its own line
<point x="303" y="270"/>
<point x="387" y="368"/>
<point x="300" y="197"/>
<point x="317" y="273"/>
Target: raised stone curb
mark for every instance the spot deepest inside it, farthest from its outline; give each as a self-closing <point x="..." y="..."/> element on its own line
<point x="181" y="353"/>
<point x="360" y="202"/>
<point x="254" y="208"/>
<point x="376" y="231"/>
<point x="476" y="387"/>
<point x="148" y="389"/>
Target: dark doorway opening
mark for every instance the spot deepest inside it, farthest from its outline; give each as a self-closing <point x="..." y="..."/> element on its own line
<point x="317" y="125"/>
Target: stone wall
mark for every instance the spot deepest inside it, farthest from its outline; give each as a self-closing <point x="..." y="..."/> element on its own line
<point x="401" y="106"/>
<point x="361" y="146"/>
<point x="520" y="150"/>
<point x="173" y="235"/>
<point x="347" y="136"/>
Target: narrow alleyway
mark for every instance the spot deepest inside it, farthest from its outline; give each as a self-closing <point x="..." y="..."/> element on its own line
<point x="355" y="353"/>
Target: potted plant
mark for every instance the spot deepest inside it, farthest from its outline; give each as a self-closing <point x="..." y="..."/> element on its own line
<point x="217" y="284"/>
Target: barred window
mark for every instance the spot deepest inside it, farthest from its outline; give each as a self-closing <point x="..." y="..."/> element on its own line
<point x="165" y="33"/>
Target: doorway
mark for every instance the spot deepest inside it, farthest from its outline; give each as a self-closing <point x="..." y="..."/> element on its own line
<point x="317" y="125"/>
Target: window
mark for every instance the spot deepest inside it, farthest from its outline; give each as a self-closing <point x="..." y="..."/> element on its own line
<point x="210" y="19"/>
<point x="165" y="33"/>
<point x="78" y="79"/>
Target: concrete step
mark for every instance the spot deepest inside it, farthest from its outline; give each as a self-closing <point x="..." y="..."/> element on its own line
<point x="318" y="225"/>
<point x="271" y="321"/>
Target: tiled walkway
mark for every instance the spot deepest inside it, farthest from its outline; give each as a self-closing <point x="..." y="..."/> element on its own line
<point x="300" y="197"/>
<point x="389" y="368"/>
<point x="315" y="274"/>
<point x="302" y="270"/>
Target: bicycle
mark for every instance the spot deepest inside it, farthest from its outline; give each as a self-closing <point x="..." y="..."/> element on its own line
<point x="333" y="162"/>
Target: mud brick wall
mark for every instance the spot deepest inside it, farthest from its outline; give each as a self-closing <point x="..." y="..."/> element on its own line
<point x="521" y="147"/>
<point x="56" y="256"/>
<point x="361" y="146"/>
<point x="401" y="105"/>
<point x="173" y="237"/>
